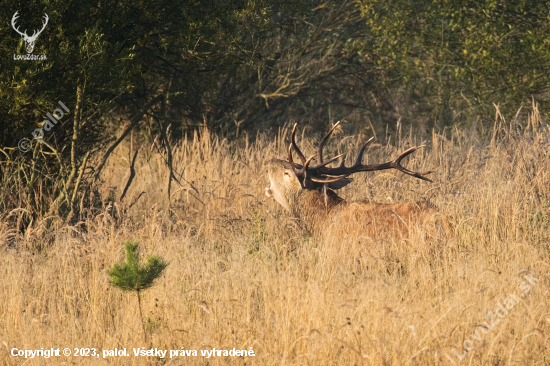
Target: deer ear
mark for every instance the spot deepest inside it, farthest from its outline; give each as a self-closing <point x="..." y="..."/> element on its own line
<point x="340" y="183"/>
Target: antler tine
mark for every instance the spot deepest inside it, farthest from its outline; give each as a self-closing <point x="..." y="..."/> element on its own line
<point x="342" y="163"/>
<point x="293" y="144"/>
<point x="13" y="19"/>
<point x="328" y="162"/>
<point x="290" y="159"/>
<point x="396" y="164"/>
<point x="342" y="171"/>
<point x="357" y="164"/>
<point x="330" y="179"/>
<point x="306" y="164"/>
<point x="359" y="158"/>
<point x="36" y="32"/>
<point x="46" y="18"/>
<point x="322" y="143"/>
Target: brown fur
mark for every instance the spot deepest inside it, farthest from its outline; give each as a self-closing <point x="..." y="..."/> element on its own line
<point x="322" y="210"/>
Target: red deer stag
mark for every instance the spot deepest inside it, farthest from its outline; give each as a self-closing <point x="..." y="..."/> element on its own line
<point x="307" y="192"/>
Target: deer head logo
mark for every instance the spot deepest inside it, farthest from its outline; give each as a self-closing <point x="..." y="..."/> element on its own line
<point x="29" y="41"/>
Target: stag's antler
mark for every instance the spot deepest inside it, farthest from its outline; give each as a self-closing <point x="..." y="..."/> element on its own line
<point x="15" y="16"/>
<point x="302" y="171"/>
<point x="44" y="24"/>
<point x="323" y="174"/>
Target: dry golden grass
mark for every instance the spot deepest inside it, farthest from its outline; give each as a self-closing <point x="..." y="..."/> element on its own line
<point x="243" y="274"/>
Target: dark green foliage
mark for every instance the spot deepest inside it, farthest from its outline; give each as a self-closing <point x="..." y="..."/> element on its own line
<point x="255" y="64"/>
<point x="133" y="276"/>
<point x="460" y="57"/>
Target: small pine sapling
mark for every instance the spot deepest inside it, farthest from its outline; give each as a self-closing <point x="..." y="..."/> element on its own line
<point x="133" y="276"/>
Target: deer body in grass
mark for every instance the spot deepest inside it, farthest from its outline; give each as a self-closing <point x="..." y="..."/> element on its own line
<point x="308" y="193"/>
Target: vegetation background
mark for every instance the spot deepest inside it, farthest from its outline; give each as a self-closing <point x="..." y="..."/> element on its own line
<point x="176" y="106"/>
<point x="239" y="67"/>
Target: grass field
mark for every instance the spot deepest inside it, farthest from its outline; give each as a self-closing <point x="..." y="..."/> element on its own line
<point x="243" y="274"/>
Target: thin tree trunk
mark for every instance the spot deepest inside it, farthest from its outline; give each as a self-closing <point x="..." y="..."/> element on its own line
<point x="141" y="316"/>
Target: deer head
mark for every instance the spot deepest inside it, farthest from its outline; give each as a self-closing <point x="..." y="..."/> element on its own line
<point x="29" y="41"/>
<point x="291" y="182"/>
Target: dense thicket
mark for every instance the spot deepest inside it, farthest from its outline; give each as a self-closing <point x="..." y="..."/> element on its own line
<point x="247" y="65"/>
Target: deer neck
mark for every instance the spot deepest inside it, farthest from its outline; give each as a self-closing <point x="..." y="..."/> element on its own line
<point x="313" y="207"/>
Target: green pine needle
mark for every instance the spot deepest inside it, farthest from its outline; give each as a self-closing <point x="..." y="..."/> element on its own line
<point x="133" y="276"/>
